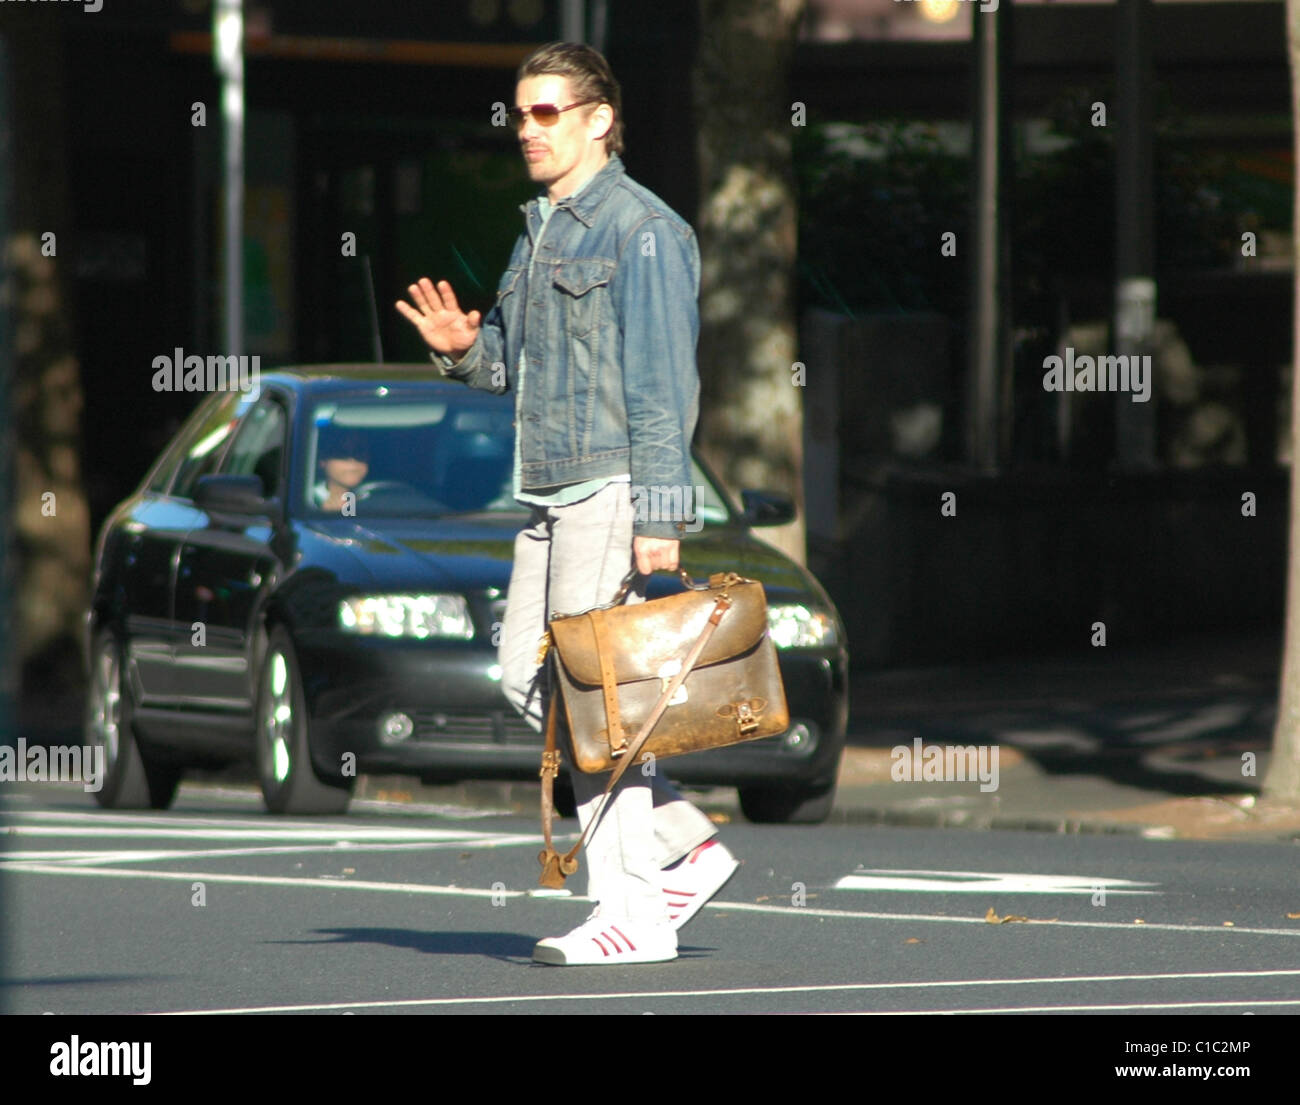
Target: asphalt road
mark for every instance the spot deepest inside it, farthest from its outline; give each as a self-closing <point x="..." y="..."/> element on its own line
<point x="216" y="907"/>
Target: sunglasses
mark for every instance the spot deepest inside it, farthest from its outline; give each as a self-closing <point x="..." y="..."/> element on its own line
<point x="546" y="114"/>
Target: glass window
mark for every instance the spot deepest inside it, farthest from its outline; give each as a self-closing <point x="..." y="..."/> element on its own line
<point x="411" y="454"/>
<point x="258" y="448"/>
<point x="710" y="507"/>
<point x="198" y="446"/>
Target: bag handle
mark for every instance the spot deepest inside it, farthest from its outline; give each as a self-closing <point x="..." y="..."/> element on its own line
<point x="556" y="867"/>
<point x="630" y="578"/>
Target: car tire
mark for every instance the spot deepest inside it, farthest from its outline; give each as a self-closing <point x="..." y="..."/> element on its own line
<point x="787" y="805"/>
<point x="290" y="784"/>
<point x="131" y="780"/>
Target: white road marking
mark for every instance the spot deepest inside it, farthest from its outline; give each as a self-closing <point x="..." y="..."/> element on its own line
<point x="300" y="837"/>
<point x="751" y="907"/>
<point x="723" y="907"/>
<point x="333" y="883"/>
<point x="740" y="991"/>
<point x="338" y="833"/>
<point x="128" y="855"/>
<point x="985" y="882"/>
<point x="1075" y="1009"/>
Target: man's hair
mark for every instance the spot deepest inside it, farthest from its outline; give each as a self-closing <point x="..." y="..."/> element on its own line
<point x="590" y="78"/>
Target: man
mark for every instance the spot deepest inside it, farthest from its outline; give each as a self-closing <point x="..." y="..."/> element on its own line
<point x="594" y="329"/>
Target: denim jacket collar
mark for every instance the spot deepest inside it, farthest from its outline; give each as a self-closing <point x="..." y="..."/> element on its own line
<point x="591" y="197"/>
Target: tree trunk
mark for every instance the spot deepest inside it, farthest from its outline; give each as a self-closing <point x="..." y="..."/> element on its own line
<point x="51" y="517"/>
<point x="1283" y="778"/>
<point x="751" y="410"/>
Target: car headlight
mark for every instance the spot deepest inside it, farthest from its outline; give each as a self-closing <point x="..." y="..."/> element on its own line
<point x="792" y="625"/>
<point x="407" y="616"/>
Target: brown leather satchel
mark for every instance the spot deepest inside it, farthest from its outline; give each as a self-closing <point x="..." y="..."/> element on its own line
<point x="682" y="673"/>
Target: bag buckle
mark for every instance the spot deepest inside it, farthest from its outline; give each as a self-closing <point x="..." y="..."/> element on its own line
<point x="746" y="713"/>
<point x="550" y="765"/>
<point x="746" y="719"/>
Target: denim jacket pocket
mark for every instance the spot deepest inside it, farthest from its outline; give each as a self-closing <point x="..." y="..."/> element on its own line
<point x="584" y="301"/>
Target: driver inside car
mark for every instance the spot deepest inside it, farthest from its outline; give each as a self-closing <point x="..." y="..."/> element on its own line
<point x="344" y="462"/>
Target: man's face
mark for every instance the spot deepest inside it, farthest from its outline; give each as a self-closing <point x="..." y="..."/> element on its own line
<point x="563" y="156"/>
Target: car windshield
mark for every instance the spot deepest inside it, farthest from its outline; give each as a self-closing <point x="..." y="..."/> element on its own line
<point x="402" y="454"/>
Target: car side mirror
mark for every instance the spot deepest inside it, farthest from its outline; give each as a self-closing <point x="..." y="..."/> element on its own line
<point x="766" y="508"/>
<point x="232" y="495"/>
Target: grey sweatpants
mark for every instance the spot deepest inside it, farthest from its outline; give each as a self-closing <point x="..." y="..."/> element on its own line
<point x="568" y="559"/>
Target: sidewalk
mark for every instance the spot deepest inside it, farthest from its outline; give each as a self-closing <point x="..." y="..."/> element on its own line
<point x="1164" y="741"/>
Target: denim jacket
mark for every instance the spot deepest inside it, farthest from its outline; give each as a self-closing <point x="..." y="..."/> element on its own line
<point x="610" y="322"/>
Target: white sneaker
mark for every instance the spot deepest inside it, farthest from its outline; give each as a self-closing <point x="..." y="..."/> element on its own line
<point x="695" y="880"/>
<point x="605" y="941"/>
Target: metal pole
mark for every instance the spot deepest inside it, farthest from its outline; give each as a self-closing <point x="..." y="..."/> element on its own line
<point x="988" y="300"/>
<point x="573" y="20"/>
<point x="1135" y="287"/>
<point x="228" y="40"/>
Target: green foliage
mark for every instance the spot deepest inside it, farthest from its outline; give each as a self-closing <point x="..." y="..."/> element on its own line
<point x="875" y="200"/>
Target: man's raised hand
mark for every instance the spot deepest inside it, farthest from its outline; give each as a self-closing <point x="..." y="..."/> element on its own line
<point x="436" y="314"/>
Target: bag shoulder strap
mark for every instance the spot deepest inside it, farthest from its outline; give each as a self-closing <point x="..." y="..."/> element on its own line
<point x="609" y="682"/>
<point x="555" y="868"/>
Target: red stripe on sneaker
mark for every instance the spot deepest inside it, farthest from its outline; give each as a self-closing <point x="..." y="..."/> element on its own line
<point x="680" y="893"/>
<point x="604" y="950"/>
<point x="629" y="943"/>
<point x="696" y="854"/>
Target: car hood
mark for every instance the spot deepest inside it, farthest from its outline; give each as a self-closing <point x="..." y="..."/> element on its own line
<point x="465" y="553"/>
<point x="474" y="552"/>
<point x="736" y="549"/>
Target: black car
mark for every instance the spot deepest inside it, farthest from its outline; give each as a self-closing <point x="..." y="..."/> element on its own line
<point x="313" y="578"/>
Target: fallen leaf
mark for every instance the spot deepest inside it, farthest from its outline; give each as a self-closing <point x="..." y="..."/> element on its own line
<point x="1229" y="924"/>
<point x="912" y="940"/>
<point x="349" y="870"/>
<point x="1294" y="916"/>
<point x="1138" y="921"/>
<point x="994" y="919"/>
<point x="763" y="898"/>
<point x="719" y="818"/>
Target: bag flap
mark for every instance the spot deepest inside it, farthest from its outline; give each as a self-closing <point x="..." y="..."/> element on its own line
<point x="647" y="636"/>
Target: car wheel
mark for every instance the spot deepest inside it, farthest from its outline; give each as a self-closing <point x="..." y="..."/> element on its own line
<point x="131" y="781"/>
<point x="289" y="782"/>
<point x="787" y="805"/>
